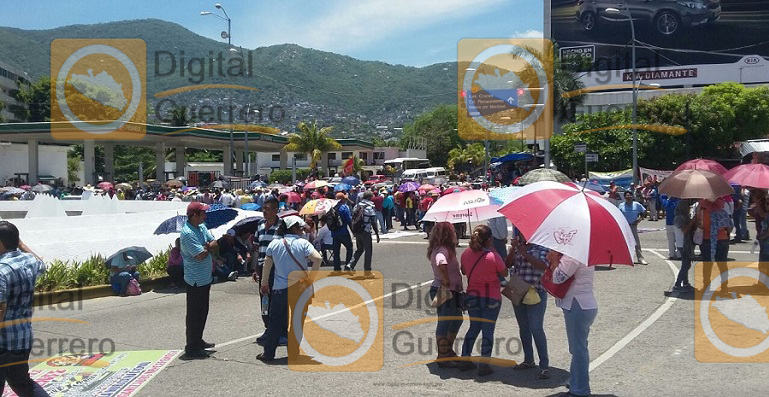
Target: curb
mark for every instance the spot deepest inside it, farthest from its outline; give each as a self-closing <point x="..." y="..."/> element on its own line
<point x="93" y="292"/>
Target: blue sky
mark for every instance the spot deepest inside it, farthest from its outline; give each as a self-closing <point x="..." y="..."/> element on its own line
<point x="409" y="32"/>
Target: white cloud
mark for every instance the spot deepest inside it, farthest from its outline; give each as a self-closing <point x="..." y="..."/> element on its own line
<point x="354" y="24"/>
<point x="528" y="34"/>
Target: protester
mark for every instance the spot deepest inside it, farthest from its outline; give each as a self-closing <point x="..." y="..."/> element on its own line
<point x="197" y="245"/>
<point x="482" y="267"/>
<point x="288" y="254"/>
<point x="579" y="311"/>
<point x="339" y="219"/>
<point x="670" y="204"/>
<point x="175" y="267"/>
<point x="424" y="205"/>
<point x="324" y="242"/>
<point x="122" y="270"/>
<point x="650" y="195"/>
<point x="633" y="211"/>
<point x="442" y="253"/>
<point x="685" y="227"/>
<point x="378" y="201"/>
<point x="19" y="270"/>
<point x="363" y="222"/>
<point x="763" y="239"/>
<point x="716" y="227"/>
<point x="410" y="208"/>
<point x="268" y="230"/>
<point x="388" y="210"/>
<point x="529" y="262"/>
<point x="499" y="232"/>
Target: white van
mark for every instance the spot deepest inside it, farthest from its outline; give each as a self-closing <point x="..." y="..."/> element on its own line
<point x="416" y="175"/>
<point x="435" y="173"/>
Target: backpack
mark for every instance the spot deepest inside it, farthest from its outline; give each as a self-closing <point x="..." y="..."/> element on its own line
<point x="133" y="288"/>
<point x="358" y="219"/>
<point x="333" y="219"/>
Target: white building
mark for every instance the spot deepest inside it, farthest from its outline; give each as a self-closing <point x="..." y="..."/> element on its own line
<point x="14" y="162"/>
<point x="8" y="78"/>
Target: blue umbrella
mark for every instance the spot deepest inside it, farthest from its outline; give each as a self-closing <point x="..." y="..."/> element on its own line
<point x="171" y="225"/>
<point x="501" y="196"/>
<point x="351" y="180"/>
<point x="140" y="255"/>
<point x="250" y="207"/>
<point x="342" y="187"/>
<point x="218" y="215"/>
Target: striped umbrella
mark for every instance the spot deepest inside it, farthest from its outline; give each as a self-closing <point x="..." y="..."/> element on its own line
<point x="577" y="224"/>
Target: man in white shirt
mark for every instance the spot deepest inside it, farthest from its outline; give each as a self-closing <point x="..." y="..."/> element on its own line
<point x="227" y="199"/>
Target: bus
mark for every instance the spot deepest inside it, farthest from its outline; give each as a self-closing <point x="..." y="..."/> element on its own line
<point x="400" y="164"/>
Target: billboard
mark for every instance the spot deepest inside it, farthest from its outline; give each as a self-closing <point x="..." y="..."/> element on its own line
<point x="678" y="42"/>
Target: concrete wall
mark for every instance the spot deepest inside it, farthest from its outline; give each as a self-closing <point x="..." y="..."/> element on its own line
<point x="52" y="160"/>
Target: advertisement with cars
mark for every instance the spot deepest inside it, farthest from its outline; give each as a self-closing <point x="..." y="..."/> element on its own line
<point x="678" y="42"/>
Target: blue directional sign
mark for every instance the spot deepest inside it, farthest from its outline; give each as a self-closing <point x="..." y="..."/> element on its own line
<point x="480" y="103"/>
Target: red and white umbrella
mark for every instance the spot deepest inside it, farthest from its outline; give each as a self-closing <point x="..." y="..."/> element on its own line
<point x="751" y="175"/>
<point x="469" y="205"/>
<point x="575" y="223"/>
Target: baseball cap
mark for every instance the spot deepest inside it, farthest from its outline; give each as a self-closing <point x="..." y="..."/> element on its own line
<point x="196" y="206"/>
<point x="293" y="220"/>
<point x="231" y="232"/>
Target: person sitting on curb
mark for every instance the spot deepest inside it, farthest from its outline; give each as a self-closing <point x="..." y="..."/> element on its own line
<point x="122" y="271"/>
<point x="175" y="267"/>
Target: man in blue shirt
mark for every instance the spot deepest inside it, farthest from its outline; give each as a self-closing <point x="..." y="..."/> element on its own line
<point x="388" y="209"/>
<point x="633" y="211"/>
<point x="341" y="236"/>
<point x="197" y="246"/>
<point x="670" y="203"/>
<point x="19" y="269"/>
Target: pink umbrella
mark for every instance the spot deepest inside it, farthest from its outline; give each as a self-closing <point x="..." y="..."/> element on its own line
<point x="751" y="175"/>
<point x="471" y="205"/>
<point x="695" y="184"/>
<point x="565" y="219"/>
<point x="294" y="197"/>
<point x="453" y="189"/>
<point x="107" y="185"/>
<point x="315" y="184"/>
<point x="25" y="187"/>
<point x="703" y="164"/>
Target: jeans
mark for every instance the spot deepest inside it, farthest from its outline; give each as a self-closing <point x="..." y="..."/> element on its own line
<point x="232" y="262"/>
<point x="387" y="213"/>
<point x="380" y="218"/>
<point x="578" y="322"/>
<point x="531" y="320"/>
<point x="450" y="308"/>
<point x="122" y="279"/>
<point x="671" y="234"/>
<point x="339" y="241"/>
<point x="221" y="272"/>
<point x="653" y="214"/>
<point x="17" y="375"/>
<point x="363" y="245"/>
<point x="281" y="324"/>
<point x="744" y="224"/>
<point x="722" y="252"/>
<point x="198" y="299"/>
<point x="638" y="253"/>
<point x="686" y="264"/>
<point x="176" y="273"/>
<point x="500" y="247"/>
<point x="763" y="259"/>
<point x="483" y="308"/>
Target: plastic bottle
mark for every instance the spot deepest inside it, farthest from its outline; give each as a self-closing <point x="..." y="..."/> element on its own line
<point x="265" y="305"/>
<point x="753" y="248"/>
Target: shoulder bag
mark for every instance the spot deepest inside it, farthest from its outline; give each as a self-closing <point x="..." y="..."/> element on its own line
<point x="557" y="290"/>
<point x="305" y="282"/>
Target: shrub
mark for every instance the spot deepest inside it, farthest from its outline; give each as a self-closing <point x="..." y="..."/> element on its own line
<point x="284" y="176"/>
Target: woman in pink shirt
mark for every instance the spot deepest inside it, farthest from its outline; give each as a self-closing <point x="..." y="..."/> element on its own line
<point x="483" y="267"/>
<point x="442" y="253"/>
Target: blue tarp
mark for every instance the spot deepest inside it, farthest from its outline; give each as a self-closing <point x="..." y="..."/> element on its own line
<point x="513" y="157"/>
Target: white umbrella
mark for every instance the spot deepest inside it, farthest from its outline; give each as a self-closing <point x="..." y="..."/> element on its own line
<point x="469" y="205"/>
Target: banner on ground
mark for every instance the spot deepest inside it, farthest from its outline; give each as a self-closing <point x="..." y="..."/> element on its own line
<point x="116" y="374"/>
<point x="648" y="173"/>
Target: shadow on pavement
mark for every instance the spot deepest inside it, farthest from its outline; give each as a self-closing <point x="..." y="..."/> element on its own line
<point x="592" y="395"/>
<point x="604" y="268"/>
<point x="524" y="378"/>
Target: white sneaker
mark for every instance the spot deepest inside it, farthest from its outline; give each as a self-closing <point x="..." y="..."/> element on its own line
<point x="233" y="276"/>
<point x="643" y="261"/>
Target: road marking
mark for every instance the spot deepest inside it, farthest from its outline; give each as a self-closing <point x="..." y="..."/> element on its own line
<point x="334" y="313"/>
<point x="730" y="251"/>
<point x="641" y="327"/>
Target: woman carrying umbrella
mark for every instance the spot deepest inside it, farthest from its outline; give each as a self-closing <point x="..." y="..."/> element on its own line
<point x="122" y="270"/>
<point x="716" y="227"/>
<point x="579" y="311"/>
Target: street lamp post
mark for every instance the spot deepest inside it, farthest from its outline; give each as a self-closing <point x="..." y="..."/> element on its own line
<point x="226" y="17"/>
<point x="635" y="89"/>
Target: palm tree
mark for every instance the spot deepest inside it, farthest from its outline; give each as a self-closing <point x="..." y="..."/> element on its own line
<point x="179" y="117"/>
<point x="312" y="141"/>
<point x="466" y="158"/>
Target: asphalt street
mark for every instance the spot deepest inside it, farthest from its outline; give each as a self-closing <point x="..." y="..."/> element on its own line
<point x="641" y="344"/>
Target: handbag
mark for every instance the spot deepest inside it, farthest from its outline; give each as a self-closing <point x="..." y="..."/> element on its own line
<point x="557" y="290"/>
<point x="133" y="288"/>
<point x="444" y="294"/>
<point x="463" y="295"/>
<point x="516" y="289"/>
<point x="306" y="283"/>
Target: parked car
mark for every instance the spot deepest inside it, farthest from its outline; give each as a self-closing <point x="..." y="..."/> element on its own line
<point x="665" y="18"/>
<point x="373" y="179"/>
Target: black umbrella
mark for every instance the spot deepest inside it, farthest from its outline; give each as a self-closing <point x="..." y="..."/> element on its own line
<point x="220" y="185"/>
<point x="140" y="254"/>
<point x="249" y="224"/>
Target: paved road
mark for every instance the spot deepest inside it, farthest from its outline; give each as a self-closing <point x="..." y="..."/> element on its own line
<point x="641" y="342"/>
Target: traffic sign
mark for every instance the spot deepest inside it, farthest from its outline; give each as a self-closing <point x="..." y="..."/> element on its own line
<point x="591" y="157"/>
<point x="580" y="148"/>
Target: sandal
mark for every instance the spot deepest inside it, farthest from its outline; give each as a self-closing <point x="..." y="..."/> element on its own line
<point x="524" y="365"/>
<point x="545" y="374"/>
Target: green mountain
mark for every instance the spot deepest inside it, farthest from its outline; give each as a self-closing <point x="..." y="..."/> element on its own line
<point x="353" y="95"/>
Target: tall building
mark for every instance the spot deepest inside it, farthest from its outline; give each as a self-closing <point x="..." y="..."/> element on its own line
<point x="8" y="82"/>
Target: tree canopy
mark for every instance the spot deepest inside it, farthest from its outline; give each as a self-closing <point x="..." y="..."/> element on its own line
<point x="438" y="128"/>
